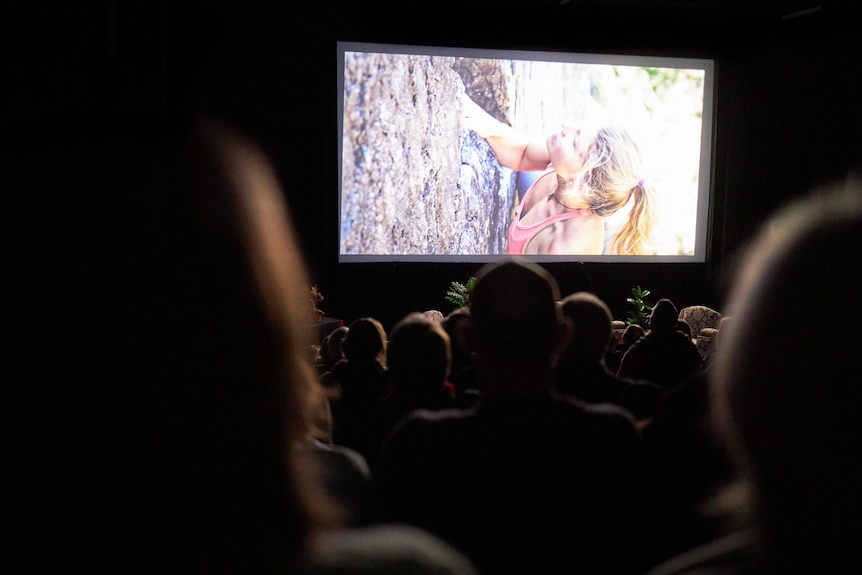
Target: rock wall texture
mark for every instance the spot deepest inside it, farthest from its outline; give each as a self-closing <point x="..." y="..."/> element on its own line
<point x="415" y="182"/>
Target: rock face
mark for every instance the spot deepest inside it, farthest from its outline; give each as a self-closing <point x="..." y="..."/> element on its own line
<point x="415" y="181"/>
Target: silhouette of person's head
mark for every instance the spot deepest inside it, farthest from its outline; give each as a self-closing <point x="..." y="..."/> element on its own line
<point x="455" y="324"/>
<point x="631" y="334"/>
<point x="516" y="327"/>
<point x="514" y="310"/>
<point x="335" y="343"/>
<point x="213" y="375"/>
<point x="784" y="393"/>
<point x="591" y="326"/>
<point x="418" y="354"/>
<point x="434" y="315"/>
<point x="664" y="316"/>
<point x="365" y="341"/>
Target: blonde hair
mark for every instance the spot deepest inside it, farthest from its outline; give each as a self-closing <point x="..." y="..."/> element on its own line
<point x="611" y="177"/>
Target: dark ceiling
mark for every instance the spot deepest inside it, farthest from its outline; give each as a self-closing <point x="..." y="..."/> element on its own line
<point x="769" y="9"/>
<point x="600" y="23"/>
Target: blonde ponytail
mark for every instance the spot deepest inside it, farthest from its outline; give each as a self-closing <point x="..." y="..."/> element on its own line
<point x="633" y="237"/>
<point x="611" y="180"/>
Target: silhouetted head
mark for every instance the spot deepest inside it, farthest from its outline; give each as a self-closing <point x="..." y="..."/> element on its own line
<point x="591" y="325"/>
<point x="454" y="323"/>
<point x="784" y="392"/>
<point x="514" y="310"/>
<point x="215" y="379"/>
<point x="418" y="352"/>
<point x="632" y="333"/>
<point x="335" y="343"/>
<point x="365" y="341"/>
<point x="664" y="316"/>
<point x="434" y="315"/>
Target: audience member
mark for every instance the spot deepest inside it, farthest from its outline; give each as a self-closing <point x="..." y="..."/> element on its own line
<point x="590" y="322"/>
<point x="665" y="355"/>
<point x="335" y="343"/>
<point x="180" y="450"/>
<point x="463" y="371"/>
<point x="434" y="315"/>
<point x="524" y="481"/>
<point x="418" y="360"/>
<point x="362" y="375"/>
<point x="784" y="400"/>
<point x="631" y="333"/>
<point x="330" y="351"/>
<point x="581" y="370"/>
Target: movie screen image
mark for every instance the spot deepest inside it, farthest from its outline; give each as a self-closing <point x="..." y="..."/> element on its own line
<point x="450" y="154"/>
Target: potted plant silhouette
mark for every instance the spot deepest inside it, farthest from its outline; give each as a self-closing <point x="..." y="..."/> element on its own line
<point x="642" y="307"/>
<point x="460" y="293"/>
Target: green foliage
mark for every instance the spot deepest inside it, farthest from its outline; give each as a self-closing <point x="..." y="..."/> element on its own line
<point x="642" y="307"/>
<point x="459" y="293"/>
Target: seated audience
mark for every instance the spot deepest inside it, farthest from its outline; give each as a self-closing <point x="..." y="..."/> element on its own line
<point x="581" y="371"/>
<point x="665" y="355"/>
<point x="631" y="333"/>
<point x="784" y="400"/>
<point x="434" y="315"/>
<point x="362" y="375"/>
<point x="418" y="360"/>
<point x="524" y="481"/>
<point x="463" y="371"/>
<point x="419" y="357"/>
<point x="331" y="352"/>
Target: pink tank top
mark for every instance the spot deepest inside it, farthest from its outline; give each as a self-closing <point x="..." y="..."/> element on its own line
<point x="520" y="235"/>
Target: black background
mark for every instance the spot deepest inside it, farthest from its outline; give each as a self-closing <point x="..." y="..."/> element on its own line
<point x="787" y="106"/>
